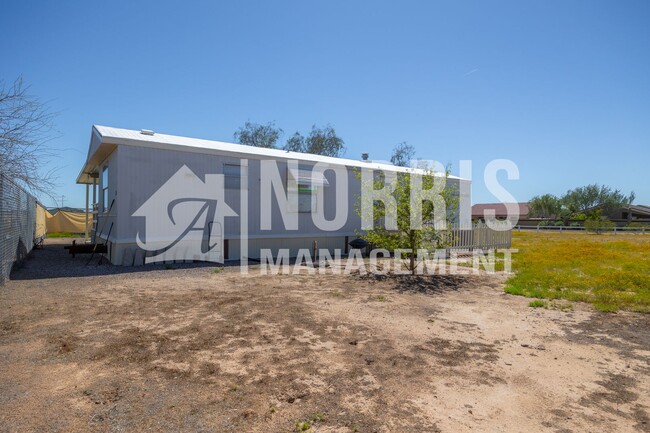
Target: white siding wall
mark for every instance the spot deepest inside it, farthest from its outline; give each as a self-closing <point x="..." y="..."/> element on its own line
<point x="137" y="173"/>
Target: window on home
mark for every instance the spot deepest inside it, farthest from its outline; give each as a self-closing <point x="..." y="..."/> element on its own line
<point x="307" y="183"/>
<point x="232" y="176"/>
<point x="105" y="202"/>
<point x="305" y="198"/>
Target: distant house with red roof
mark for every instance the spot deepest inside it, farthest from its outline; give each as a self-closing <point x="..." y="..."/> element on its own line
<point x="500" y="211"/>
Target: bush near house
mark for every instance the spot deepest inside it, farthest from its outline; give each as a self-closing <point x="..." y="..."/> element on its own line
<point x="599" y="225"/>
<point x="609" y="271"/>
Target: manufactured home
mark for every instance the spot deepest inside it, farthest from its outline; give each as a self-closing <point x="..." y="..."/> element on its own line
<point x="217" y="201"/>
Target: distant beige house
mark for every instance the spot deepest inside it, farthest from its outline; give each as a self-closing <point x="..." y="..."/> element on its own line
<point x="622" y="216"/>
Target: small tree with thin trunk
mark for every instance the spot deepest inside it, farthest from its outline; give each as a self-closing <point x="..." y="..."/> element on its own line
<point x="400" y="228"/>
<point x="597" y="223"/>
<point x="26" y="126"/>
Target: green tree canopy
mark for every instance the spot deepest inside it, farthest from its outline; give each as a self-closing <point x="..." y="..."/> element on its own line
<point x="296" y="143"/>
<point x="588" y="198"/>
<point x="403" y="154"/>
<point x="320" y="141"/>
<point x="255" y="134"/>
<point x="545" y="206"/>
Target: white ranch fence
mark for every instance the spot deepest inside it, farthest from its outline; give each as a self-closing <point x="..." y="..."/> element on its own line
<point x="615" y="230"/>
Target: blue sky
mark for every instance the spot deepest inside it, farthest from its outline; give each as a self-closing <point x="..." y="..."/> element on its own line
<point x="562" y="88"/>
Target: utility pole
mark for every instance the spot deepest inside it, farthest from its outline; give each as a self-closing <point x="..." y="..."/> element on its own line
<point x="62" y="197"/>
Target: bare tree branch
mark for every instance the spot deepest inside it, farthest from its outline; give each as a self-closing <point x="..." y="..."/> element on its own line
<point x="26" y="126"/>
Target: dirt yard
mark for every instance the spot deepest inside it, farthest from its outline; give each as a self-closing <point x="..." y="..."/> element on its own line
<point x="95" y="348"/>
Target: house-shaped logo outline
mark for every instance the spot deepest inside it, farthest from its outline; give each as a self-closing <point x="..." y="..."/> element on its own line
<point x="182" y="185"/>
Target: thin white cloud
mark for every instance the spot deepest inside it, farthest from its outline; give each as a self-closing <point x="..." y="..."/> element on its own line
<point x="470" y="72"/>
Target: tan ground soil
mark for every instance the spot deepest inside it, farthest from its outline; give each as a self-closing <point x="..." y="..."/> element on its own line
<point x="95" y="348"/>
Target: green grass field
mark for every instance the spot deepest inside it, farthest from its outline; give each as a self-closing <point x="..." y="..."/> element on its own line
<point x="65" y="235"/>
<point x="610" y="271"/>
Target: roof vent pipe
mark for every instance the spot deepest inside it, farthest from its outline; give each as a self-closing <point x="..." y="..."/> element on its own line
<point x="146" y="132"/>
<point x="364" y="156"/>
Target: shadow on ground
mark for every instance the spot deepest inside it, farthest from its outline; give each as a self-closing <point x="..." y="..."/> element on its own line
<point x="53" y="261"/>
<point x="425" y="284"/>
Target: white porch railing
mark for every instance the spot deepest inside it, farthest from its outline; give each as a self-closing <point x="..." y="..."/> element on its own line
<point x="480" y="236"/>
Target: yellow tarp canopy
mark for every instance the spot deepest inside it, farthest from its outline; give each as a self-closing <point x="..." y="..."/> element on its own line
<point x="41" y="221"/>
<point x="64" y="221"/>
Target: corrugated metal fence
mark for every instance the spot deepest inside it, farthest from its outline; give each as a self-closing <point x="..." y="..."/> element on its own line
<point x="17" y="225"/>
